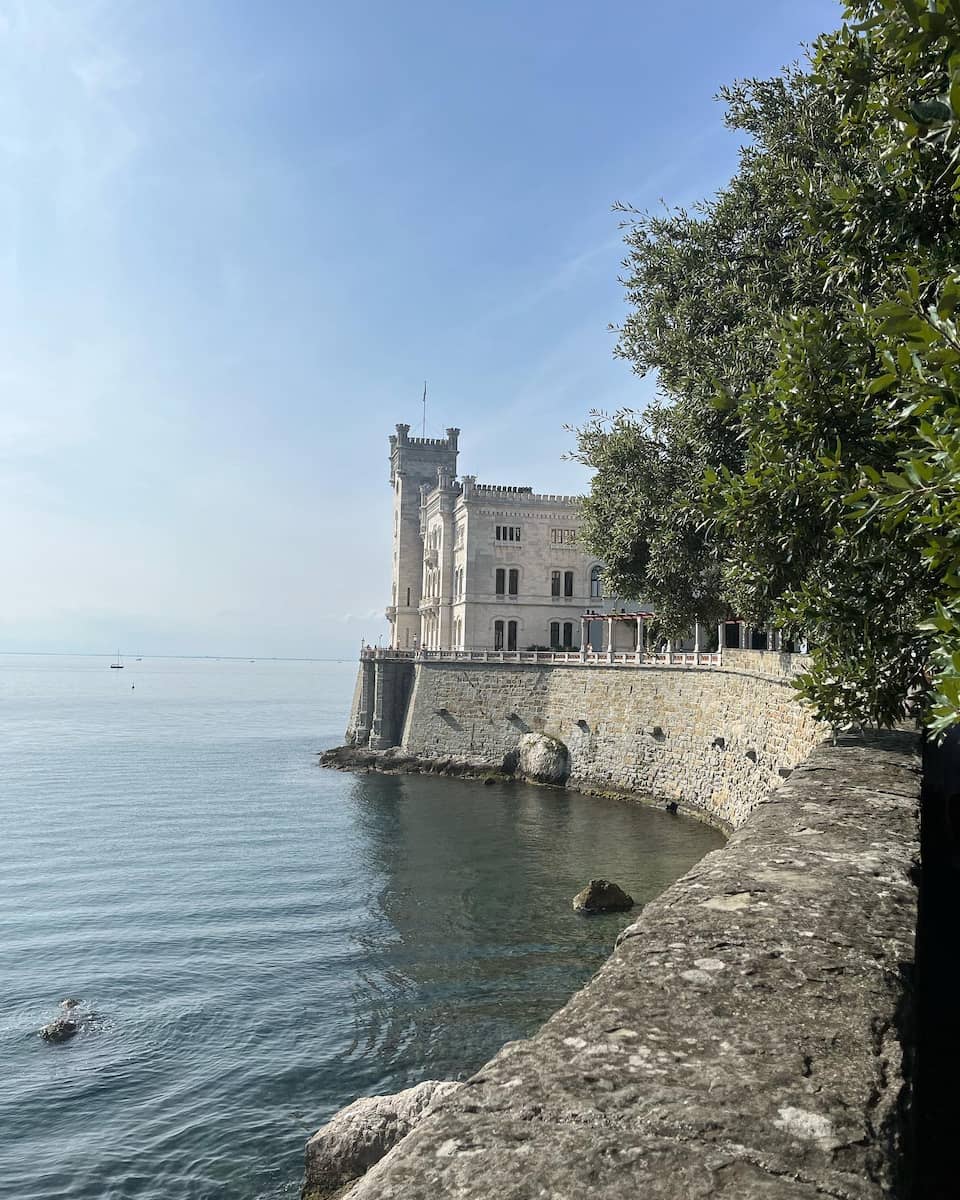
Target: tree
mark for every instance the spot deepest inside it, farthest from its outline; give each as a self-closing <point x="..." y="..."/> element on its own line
<point x="804" y="362"/>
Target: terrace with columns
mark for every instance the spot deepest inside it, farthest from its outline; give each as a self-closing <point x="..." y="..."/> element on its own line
<point x="627" y="641"/>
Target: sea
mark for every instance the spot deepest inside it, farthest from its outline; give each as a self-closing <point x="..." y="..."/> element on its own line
<point x="254" y="940"/>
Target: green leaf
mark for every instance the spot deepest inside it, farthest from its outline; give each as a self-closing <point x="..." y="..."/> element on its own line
<point x="949" y="297"/>
<point x="880" y="384"/>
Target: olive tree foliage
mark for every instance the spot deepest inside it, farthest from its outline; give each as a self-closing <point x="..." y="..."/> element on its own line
<point x="705" y="290"/>
<point x="801" y="464"/>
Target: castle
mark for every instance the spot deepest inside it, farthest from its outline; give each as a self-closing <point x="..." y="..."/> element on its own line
<point x="485" y="567"/>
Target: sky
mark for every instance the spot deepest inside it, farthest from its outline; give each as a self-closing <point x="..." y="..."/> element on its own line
<point x="237" y="236"/>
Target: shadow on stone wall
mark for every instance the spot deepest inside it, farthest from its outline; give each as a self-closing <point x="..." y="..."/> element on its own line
<point x="939" y="974"/>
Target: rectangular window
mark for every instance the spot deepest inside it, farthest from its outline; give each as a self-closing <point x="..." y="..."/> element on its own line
<point x="514" y="585"/>
<point x="511" y="635"/>
<point x="554" y="583"/>
<point x="498" y="635"/>
<point x="408" y="597"/>
<point x="554" y="635"/>
<point x="501" y="581"/>
<point x="568" y="583"/>
<point x="567" y="635"/>
<point x="508" y="533"/>
<point x="563" y="537"/>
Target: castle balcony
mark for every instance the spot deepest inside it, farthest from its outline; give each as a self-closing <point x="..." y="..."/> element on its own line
<point x="391" y="612"/>
<point x="431" y="558"/>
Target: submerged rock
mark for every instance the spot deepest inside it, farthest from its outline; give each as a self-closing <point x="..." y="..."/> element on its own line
<point x="362" y="1133"/>
<point x="602" y="896"/>
<point x="544" y="759"/>
<point x="69" y="1003"/>
<point x="59" y="1030"/>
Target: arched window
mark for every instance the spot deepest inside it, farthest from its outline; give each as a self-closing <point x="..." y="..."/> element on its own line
<point x="498" y="635"/>
<point x="568" y="583"/>
<point x="596" y="583"/>
<point x="501" y="581"/>
<point x="554" y="635"/>
<point x="568" y="635"/>
<point x="514" y="585"/>
<point x="511" y="635"/>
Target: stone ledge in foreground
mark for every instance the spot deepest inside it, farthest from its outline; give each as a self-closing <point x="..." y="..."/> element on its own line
<point x="750" y="1038"/>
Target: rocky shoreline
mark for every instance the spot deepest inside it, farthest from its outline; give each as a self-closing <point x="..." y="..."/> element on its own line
<point x="397" y="761"/>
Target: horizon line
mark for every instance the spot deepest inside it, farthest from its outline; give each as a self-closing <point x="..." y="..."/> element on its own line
<point x="208" y="657"/>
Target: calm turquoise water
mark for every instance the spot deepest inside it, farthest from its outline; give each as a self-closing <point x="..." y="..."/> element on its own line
<point x="261" y="940"/>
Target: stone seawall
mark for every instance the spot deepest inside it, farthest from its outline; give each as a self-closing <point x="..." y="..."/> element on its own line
<point x="751" y="1037"/>
<point x="715" y="739"/>
<point x="765" y="662"/>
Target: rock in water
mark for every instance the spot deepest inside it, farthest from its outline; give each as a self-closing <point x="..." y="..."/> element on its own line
<point x="59" y="1030"/>
<point x="602" y="896"/>
<point x="544" y="759"/>
<point x="362" y="1133"/>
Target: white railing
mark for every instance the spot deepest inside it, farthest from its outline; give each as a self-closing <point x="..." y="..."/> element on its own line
<point x="571" y="658"/>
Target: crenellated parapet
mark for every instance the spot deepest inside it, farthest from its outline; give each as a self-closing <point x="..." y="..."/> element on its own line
<point x="492" y="492"/>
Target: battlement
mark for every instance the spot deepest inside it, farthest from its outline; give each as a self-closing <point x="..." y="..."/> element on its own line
<point x="503" y="488"/>
<point x="420" y="457"/>
<point x="402" y="438"/>
<point x="492" y="492"/>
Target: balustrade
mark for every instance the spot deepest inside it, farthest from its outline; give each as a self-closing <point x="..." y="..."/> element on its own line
<point x="589" y="658"/>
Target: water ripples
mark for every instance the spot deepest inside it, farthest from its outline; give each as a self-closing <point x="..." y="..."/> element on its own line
<point x="256" y="941"/>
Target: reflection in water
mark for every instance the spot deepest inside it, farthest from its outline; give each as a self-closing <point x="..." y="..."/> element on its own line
<point x="264" y="941"/>
<point x="472" y="939"/>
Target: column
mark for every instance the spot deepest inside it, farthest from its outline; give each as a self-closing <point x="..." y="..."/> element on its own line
<point x="584" y="637"/>
<point x="609" y="639"/>
<point x="696" y="642"/>
<point x="639" y="638"/>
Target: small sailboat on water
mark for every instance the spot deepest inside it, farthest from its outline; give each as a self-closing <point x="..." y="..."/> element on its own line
<point x="118" y="665"/>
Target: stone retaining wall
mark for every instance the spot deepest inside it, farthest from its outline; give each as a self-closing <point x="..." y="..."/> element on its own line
<point x="718" y="740"/>
<point x="765" y="662"/>
<point x="751" y="1037"/>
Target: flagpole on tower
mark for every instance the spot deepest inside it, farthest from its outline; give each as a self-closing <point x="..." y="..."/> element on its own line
<point x="424" y="408"/>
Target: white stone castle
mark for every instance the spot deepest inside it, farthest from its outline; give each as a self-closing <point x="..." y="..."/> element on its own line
<point x="486" y="567"/>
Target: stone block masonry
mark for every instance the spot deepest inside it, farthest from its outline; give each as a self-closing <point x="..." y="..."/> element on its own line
<point x="713" y="739"/>
<point x="751" y="1036"/>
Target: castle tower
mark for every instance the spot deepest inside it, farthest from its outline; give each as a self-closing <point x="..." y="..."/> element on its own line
<point x="413" y="462"/>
